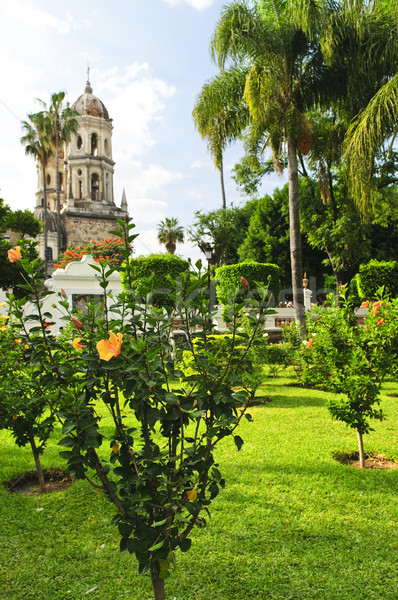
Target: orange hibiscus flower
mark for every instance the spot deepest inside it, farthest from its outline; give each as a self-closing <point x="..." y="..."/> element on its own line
<point x="14" y="254"/>
<point x="107" y="349"/>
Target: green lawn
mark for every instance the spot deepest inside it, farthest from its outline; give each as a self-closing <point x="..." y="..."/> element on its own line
<point x="292" y="523"/>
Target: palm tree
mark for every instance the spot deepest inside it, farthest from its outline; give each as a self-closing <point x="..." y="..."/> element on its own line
<point x="170" y="233"/>
<point x="60" y="123"/>
<point x="219" y="120"/>
<point x="37" y="144"/>
<point x="279" y="57"/>
<point x="375" y="126"/>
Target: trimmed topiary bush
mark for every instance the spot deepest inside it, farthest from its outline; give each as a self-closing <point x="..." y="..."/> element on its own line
<point x="376" y="274"/>
<point x="229" y="277"/>
<point x="160" y="267"/>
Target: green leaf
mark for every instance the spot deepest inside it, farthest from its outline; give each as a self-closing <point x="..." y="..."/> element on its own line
<point x="156" y="546"/>
<point x="238" y="441"/>
<point x="185" y="545"/>
<point x="125" y="529"/>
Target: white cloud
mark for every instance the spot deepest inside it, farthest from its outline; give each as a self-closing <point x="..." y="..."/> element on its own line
<point x="198" y="4"/>
<point x="134" y="98"/>
<point x="199" y="164"/>
<point x="26" y="11"/>
<point x="196" y="194"/>
<point x="147" y="210"/>
<point x="142" y="181"/>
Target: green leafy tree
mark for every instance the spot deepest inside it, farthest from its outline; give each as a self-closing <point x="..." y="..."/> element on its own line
<point x="170" y="233"/>
<point x="225" y="228"/>
<point x="25" y="409"/>
<point x="352" y="360"/>
<point x="267" y="237"/>
<point x="160" y="470"/>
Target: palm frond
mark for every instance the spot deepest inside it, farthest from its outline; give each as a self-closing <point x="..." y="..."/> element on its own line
<point x="371" y="129"/>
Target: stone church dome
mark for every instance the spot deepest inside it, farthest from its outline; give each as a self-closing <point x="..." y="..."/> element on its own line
<point x="88" y="104"/>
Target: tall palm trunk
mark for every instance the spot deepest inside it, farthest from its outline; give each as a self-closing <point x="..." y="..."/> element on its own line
<point x="58" y="197"/>
<point x="224" y="199"/>
<point x="295" y="235"/>
<point x="45" y="229"/>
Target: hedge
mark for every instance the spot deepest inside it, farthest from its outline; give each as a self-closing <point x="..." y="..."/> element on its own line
<point x="229" y="277"/>
<point x="161" y="266"/>
<point x="376" y="274"/>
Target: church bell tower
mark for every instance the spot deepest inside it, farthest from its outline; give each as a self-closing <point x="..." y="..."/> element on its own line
<point x="86" y="167"/>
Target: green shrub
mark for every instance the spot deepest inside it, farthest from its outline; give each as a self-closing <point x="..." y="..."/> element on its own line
<point x="229" y="278"/>
<point x="218" y="345"/>
<point x="161" y="267"/>
<point x="376" y="274"/>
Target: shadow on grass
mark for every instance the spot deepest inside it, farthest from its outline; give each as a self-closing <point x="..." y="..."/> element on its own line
<point x="284" y="400"/>
<point x="333" y="475"/>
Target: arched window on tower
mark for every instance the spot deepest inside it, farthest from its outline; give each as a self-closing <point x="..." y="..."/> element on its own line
<point x="94" y="144"/>
<point x="80" y="183"/>
<point x="95" y="187"/>
<point x="49" y="254"/>
<point x="61" y="181"/>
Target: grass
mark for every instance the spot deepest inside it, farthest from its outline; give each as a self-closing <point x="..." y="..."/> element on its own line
<point x="292" y="523"/>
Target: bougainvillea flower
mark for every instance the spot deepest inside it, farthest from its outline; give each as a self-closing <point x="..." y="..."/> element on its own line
<point x="365" y="304"/>
<point x="107" y="349"/>
<point x="3" y="304"/>
<point x="18" y="341"/>
<point x="14" y="254"/>
<point x="77" y="323"/>
<point x="192" y="495"/>
<point x="380" y="321"/>
<point x="76" y="344"/>
<point x="309" y="345"/>
<point x="3" y="328"/>
<point x="244" y="282"/>
<point x="5" y="317"/>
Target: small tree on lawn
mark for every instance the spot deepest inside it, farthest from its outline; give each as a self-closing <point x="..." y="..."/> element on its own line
<point x="160" y="470"/>
<point x="353" y="360"/>
<point x="27" y="398"/>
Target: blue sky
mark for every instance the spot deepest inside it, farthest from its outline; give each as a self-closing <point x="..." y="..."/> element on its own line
<point x="148" y="60"/>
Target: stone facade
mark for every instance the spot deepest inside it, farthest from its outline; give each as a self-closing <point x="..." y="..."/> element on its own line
<point x="86" y="168"/>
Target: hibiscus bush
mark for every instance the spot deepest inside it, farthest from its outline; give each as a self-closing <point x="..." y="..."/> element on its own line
<point x="351" y="359"/>
<point x="157" y="466"/>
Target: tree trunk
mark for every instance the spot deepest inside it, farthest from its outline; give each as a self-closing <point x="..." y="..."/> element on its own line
<point x="58" y="198"/>
<point x="45" y="229"/>
<point x="224" y="199"/>
<point x="39" y="470"/>
<point x="360" y="447"/>
<point x="295" y="234"/>
<point x="158" y="586"/>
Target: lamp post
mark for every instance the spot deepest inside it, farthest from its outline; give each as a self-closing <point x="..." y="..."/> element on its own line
<point x="208" y="252"/>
